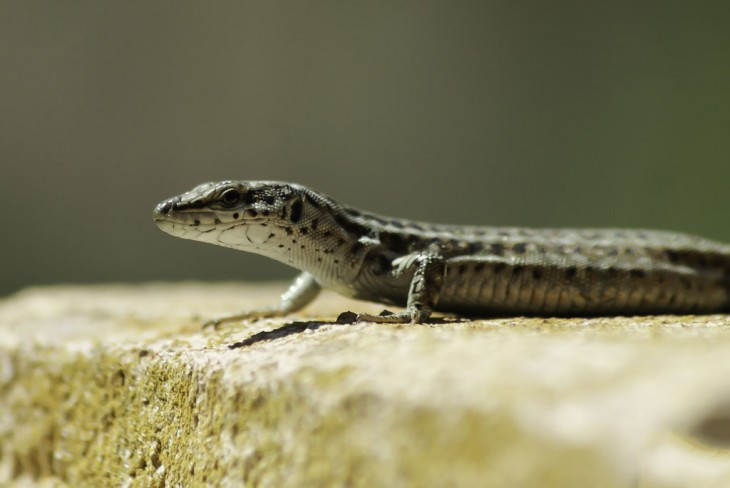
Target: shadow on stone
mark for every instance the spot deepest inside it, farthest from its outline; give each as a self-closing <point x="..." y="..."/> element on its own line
<point x="345" y="318"/>
<point x="283" y="331"/>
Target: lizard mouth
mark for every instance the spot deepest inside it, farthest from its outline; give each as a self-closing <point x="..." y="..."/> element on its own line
<point x="198" y="223"/>
<point x="190" y="219"/>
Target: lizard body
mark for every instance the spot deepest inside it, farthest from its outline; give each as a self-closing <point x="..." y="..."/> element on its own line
<point x="470" y="271"/>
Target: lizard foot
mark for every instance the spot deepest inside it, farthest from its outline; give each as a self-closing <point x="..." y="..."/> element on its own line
<point x="385" y="317"/>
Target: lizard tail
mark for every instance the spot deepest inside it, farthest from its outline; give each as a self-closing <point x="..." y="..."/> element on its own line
<point x="725" y="282"/>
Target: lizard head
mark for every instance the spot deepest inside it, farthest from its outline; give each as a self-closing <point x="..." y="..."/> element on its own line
<point x="284" y="221"/>
<point x="249" y="215"/>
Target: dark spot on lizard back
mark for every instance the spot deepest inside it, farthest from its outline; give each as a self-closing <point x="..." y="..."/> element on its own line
<point x="475" y="247"/>
<point x="520" y="248"/>
<point x="350" y="226"/>
<point x="315" y="202"/>
<point x="570" y="272"/>
<point x="377" y="219"/>
<point x="398" y="243"/>
<point x="674" y="256"/>
<point x="314" y="224"/>
<point x="397" y="224"/>
<point x="269" y="199"/>
<point x="416" y="227"/>
<point x="497" y="248"/>
<point x="700" y="259"/>
<point x="252" y="212"/>
<point x="296" y="211"/>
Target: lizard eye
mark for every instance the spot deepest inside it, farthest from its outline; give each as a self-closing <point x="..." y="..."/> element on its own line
<point x="230" y="197"/>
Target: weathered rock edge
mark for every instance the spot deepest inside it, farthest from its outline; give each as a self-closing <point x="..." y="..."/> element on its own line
<point x="115" y="385"/>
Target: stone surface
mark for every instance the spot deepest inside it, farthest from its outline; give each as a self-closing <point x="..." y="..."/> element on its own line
<point x="118" y="386"/>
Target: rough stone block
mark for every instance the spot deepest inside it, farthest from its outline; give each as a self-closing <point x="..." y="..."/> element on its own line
<point x="118" y="386"/>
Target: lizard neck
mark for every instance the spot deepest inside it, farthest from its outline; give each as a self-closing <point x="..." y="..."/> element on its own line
<point x="325" y="239"/>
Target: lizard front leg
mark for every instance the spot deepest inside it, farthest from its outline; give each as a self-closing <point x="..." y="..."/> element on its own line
<point x="300" y="293"/>
<point x="424" y="290"/>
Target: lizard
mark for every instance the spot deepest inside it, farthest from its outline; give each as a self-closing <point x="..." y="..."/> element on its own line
<point x="469" y="271"/>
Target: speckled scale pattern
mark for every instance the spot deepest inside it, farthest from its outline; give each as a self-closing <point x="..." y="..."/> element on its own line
<point x="513" y="270"/>
<point x="476" y="271"/>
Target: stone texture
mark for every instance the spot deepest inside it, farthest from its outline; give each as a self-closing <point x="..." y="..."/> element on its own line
<point x="118" y="386"/>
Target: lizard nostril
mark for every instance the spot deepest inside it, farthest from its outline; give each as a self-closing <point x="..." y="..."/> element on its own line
<point x="165" y="206"/>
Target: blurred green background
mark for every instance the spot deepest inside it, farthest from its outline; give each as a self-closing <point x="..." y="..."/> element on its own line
<point x="508" y="113"/>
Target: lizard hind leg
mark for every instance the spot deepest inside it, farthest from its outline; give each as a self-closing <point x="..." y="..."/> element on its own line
<point x="726" y="284"/>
